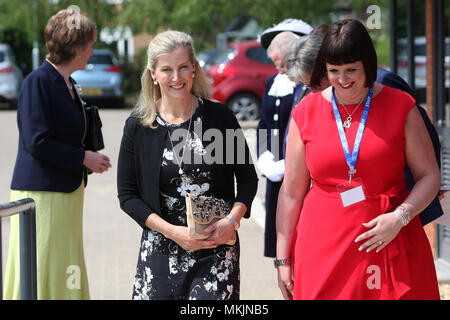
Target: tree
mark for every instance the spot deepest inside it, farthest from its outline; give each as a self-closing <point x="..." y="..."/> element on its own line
<point x="204" y="19"/>
<point x="17" y="18"/>
<point x="17" y="39"/>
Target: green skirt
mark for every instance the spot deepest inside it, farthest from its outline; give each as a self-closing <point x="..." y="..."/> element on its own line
<point x="61" y="269"/>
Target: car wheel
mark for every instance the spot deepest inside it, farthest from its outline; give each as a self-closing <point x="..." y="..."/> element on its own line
<point x="245" y="106"/>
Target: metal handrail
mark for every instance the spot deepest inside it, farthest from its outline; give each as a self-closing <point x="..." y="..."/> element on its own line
<point x="27" y="220"/>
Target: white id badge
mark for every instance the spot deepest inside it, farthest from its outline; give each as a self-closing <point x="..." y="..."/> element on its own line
<point x="351" y="194"/>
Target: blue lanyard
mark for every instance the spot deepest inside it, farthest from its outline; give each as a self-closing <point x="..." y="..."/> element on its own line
<point x="297" y="92"/>
<point x="351" y="159"/>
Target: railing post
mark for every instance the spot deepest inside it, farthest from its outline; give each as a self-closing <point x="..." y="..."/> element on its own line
<point x="393" y="37"/>
<point x="32" y="213"/>
<point x="28" y="255"/>
<point x="1" y="262"/>
<point x="27" y="245"/>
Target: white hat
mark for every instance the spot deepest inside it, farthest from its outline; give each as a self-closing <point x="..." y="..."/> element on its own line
<point x="296" y="26"/>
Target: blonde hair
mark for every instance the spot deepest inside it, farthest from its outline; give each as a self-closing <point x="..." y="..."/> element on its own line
<point x="162" y="43"/>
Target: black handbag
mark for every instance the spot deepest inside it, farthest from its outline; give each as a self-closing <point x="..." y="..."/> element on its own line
<point x="94" y="138"/>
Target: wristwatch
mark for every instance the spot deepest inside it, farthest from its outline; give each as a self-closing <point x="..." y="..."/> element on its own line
<point x="233" y="221"/>
<point x="281" y="262"/>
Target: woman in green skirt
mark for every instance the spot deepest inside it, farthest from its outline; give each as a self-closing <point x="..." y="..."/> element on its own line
<point x="51" y="165"/>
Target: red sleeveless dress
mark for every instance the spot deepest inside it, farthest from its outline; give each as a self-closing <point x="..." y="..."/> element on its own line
<point x="327" y="263"/>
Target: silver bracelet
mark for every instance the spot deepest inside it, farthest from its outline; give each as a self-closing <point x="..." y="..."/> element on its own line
<point x="281" y="262"/>
<point x="403" y="215"/>
<point x="233" y="221"/>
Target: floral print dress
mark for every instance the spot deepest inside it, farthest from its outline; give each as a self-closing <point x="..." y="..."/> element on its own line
<point x="166" y="271"/>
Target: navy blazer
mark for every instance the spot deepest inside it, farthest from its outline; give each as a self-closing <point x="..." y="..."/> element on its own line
<point x="390" y="79"/>
<point x="274" y="117"/>
<point x="51" y="131"/>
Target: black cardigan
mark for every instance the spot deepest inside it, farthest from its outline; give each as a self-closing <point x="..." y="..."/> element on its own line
<point x="140" y="158"/>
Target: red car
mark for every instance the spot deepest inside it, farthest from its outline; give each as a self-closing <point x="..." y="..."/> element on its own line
<point x="240" y="76"/>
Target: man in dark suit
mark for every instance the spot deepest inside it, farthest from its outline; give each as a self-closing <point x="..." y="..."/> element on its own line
<point x="390" y="79"/>
<point x="275" y="111"/>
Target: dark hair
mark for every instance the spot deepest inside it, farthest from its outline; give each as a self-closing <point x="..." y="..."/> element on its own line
<point x="321" y="29"/>
<point x="347" y="41"/>
<point x="67" y="31"/>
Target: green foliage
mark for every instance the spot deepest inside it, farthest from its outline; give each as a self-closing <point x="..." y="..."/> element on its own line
<point x="419" y="18"/>
<point x="382" y="45"/>
<point x="16" y="38"/>
<point x="132" y="72"/>
<point x="28" y="18"/>
<point x="203" y="19"/>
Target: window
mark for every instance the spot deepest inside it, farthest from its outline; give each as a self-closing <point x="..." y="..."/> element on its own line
<point x="258" y="54"/>
<point x="100" y="59"/>
<point x="228" y="55"/>
<point x="2" y="56"/>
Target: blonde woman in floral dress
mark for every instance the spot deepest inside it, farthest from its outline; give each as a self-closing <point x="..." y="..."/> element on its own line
<point x="163" y="156"/>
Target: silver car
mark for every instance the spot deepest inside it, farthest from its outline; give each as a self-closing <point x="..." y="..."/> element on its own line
<point x="420" y="60"/>
<point x="11" y="76"/>
<point x="102" y="81"/>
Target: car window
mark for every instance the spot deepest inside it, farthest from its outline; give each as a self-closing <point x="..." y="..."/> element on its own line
<point x="203" y="56"/>
<point x="258" y="54"/>
<point x="419" y="49"/>
<point x="228" y="55"/>
<point x="100" y="59"/>
<point x="209" y="56"/>
<point x="2" y="56"/>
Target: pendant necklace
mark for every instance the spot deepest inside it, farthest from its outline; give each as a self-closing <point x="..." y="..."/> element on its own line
<point x="179" y="162"/>
<point x="348" y="122"/>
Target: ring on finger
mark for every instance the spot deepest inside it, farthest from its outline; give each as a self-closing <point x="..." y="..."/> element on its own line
<point x="288" y="284"/>
<point x="380" y="242"/>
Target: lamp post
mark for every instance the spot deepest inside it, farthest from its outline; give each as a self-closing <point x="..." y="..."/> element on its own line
<point x="35" y="51"/>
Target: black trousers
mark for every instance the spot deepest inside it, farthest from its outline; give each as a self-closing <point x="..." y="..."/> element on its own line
<point x="270" y="235"/>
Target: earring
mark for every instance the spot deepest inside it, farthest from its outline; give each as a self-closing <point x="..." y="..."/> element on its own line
<point x="155" y="82"/>
<point x="193" y="74"/>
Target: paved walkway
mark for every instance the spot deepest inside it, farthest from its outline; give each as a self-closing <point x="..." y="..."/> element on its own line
<point x="111" y="238"/>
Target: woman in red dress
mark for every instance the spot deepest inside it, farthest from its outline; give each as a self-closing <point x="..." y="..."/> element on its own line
<point x="353" y="232"/>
